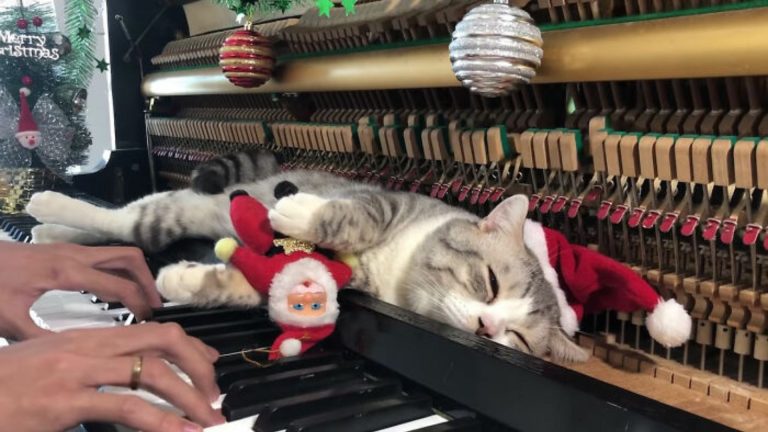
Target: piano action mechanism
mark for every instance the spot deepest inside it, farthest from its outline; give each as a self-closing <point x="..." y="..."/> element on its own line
<point x="642" y="136"/>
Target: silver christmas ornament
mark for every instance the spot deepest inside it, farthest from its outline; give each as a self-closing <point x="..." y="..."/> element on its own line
<point x="495" y="48"/>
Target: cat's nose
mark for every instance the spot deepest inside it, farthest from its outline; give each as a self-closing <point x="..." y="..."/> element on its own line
<point x="488" y="326"/>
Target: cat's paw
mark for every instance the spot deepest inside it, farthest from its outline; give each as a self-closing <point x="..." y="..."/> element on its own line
<point x="50" y="207"/>
<point x="296" y="215"/>
<point x="50" y="233"/>
<point x="182" y="281"/>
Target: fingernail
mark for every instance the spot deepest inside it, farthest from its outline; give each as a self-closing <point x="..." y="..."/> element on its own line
<point x="191" y="427"/>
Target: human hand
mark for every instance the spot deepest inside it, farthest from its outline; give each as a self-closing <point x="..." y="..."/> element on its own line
<point x="52" y="382"/>
<point x="111" y="273"/>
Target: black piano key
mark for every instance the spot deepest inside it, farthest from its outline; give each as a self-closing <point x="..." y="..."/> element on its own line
<point x="211" y="316"/>
<point x="248" y="395"/>
<point x="230" y="369"/>
<point x="367" y="416"/>
<point x="465" y="424"/>
<point x="96" y="300"/>
<point x="277" y="415"/>
<point x="242" y="340"/>
<point x="174" y="310"/>
<point x="224" y="327"/>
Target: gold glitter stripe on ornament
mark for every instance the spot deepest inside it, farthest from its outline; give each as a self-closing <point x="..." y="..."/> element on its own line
<point x="243" y="49"/>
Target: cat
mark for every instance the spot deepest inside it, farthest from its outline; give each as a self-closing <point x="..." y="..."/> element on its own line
<point x="483" y="276"/>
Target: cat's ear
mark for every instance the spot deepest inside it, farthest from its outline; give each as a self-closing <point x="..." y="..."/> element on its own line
<point x="509" y="216"/>
<point x="563" y="350"/>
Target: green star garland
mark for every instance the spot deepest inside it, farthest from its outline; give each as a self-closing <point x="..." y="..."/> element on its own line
<point x="349" y="6"/>
<point x="250" y="8"/>
<point x="102" y="65"/>
<point x="324" y="7"/>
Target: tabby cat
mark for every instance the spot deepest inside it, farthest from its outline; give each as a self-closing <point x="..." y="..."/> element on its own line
<point x="484" y="276"/>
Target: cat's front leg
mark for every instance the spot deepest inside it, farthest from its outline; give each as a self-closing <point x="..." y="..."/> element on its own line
<point x="344" y="225"/>
<point x="206" y="285"/>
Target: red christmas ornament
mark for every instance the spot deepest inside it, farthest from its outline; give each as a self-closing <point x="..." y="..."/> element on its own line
<point x="26" y="80"/>
<point x="37" y="21"/>
<point x="246" y="58"/>
<point x="22" y="24"/>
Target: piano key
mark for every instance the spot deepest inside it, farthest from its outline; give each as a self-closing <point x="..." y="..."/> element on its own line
<point x="367" y="416"/>
<point x="223" y="327"/>
<point x="246" y="396"/>
<point x="278" y="414"/>
<point x="464" y="424"/>
<point x="241" y="340"/>
<point x="208" y="316"/>
<point x="230" y="369"/>
<point x="426" y="424"/>
<point x="242" y="425"/>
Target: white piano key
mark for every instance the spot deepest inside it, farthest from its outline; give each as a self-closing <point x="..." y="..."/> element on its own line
<point x="246" y="425"/>
<point x="242" y="425"/>
<point x="416" y="424"/>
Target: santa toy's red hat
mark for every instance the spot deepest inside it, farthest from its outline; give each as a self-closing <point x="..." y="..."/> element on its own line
<point x="28" y="133"/>
<point x="586" y="282"/>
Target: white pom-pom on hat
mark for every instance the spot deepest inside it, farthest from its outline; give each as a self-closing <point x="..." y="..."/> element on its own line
<point x="669" y="324"/>
<point x="290" y="347"/>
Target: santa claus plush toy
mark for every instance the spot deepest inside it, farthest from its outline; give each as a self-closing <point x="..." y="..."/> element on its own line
<point x="301" y="283"/>
<point x="586" y="282"/>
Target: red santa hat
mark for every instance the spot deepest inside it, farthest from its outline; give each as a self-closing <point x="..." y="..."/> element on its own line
<point x="27" y="123"/>
<point x="586" y="281"/>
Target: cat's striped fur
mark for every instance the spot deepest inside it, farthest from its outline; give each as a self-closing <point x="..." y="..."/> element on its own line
<point x="413" y="251"/>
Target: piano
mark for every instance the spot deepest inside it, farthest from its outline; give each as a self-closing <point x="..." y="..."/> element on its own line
<point x="642" y="136"/>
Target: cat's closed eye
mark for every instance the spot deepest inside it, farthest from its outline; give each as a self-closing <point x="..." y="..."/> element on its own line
<point x="494" y="283"/>
<point x="521" y="338"/>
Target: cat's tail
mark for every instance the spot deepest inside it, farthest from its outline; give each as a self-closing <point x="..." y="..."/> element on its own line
<point x="216" y="174"/>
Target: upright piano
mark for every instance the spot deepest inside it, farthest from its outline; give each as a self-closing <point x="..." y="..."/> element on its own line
<point x="642" y="136"/>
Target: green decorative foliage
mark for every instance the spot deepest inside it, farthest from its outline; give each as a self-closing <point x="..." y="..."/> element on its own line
<point x="80" y="16"/>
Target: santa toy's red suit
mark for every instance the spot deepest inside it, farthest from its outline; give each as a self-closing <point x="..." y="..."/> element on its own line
<point x="301" y="283"/>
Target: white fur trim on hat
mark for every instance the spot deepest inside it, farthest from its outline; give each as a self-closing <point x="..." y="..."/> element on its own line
<point x="295" y="274"/>
<point x="290" y="347"/>
<point x="669" y="323"/>
<point x="535" y="239"/>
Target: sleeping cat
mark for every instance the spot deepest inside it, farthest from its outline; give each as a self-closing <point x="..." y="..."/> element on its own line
<point x="413" y="251"/>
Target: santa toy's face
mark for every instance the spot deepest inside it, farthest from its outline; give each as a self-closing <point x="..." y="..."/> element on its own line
<point x="307" y="300"/>
<point x="29" y="140"/>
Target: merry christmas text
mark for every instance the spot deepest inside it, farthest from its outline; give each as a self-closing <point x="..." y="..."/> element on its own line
<point x="26" y="45"/>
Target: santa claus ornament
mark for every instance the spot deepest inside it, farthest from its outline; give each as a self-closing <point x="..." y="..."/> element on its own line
<point x="34" y="137"/>
<point x="28" y="134"/>
<point x="587" y="282"/>
<point x="300" y="282"/>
